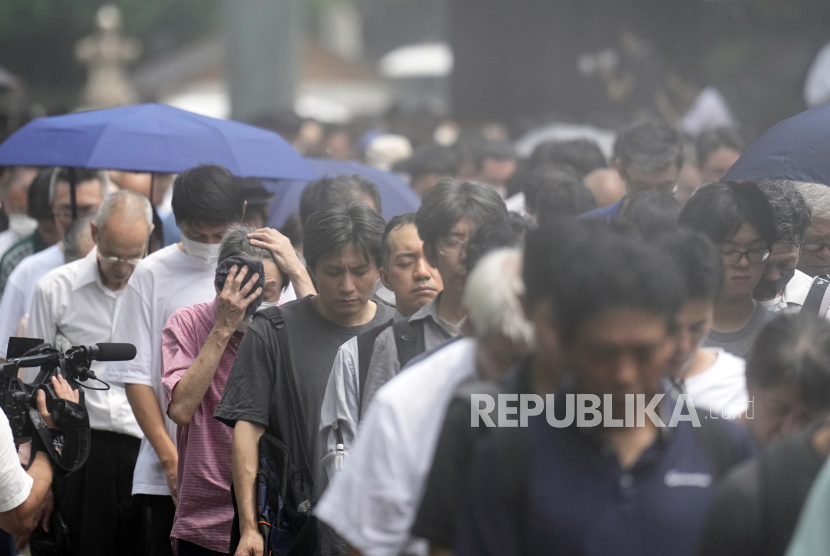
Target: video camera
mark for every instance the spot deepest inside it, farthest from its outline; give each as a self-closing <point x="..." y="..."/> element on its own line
<point x="19" y="399"/>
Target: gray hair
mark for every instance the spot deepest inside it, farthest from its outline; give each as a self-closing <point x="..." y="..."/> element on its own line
<point x="493" y="297"/>
<point x="817" y="196"/>
<point x="789" y="209"/>
<point x="236" y="243"/>
<point x="129" y="206"/>
<point x="60" y="174"/>
<point x="75" y="235"/>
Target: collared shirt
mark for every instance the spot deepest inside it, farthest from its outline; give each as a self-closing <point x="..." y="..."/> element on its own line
<point x="795" y="293"/>
<point x="384" y="364"/>
<point x="372" y="502"/>
<point x="17" y="297"/>
<point x="71" y="306"/>
<point x="204" y="511"/>
<point x="608" y="214"/>
<point x="161" y="284"/>
<point x="580" y="500"/>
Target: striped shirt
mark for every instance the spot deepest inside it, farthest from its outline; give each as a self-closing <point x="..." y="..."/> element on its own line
<point x="204" y="511"/>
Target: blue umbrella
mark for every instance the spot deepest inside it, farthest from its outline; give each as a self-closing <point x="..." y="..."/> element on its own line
<point x="796" y="149"/>
<point x="153" y="138"/>
<point x="396" y="196"/>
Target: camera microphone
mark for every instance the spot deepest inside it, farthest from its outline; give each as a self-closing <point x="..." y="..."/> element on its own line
<point x="104" y="352"/>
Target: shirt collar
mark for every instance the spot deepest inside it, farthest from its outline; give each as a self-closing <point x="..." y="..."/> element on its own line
<point x="88" y="271"/>
<point x="428" y="310"/>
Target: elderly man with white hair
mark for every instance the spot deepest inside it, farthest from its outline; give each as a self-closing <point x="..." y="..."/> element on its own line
<point x="76" y="304"/>
<point x="815" y="252"/>
<point x="372" y="502"/>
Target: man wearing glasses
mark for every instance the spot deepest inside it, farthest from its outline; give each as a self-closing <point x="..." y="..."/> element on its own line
<point x="449" y="214"/>
<point x="739" y="220"/>
<point x="77" y="304"/>
<point x="783" y="288"/>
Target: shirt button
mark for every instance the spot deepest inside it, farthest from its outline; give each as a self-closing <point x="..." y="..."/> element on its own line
<point x="626" y="480"/>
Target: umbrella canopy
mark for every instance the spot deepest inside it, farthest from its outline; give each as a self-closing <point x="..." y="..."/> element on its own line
<point x="796" y="149"/>
<point x="153" y="138"/>
<point x="396" y="197"/>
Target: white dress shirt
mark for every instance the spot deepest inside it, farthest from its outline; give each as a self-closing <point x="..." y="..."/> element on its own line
<point x="71" y="306"/>
<point x="17" y="297"/>
<point x="372" y="502"/>
<point x="161" y="284"/>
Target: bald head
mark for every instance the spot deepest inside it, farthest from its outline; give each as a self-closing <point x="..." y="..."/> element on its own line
<point x="121" y="230"/>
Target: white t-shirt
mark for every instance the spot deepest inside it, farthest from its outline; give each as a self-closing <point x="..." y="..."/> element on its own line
<point x="817" y="86"/>
<point x="71" y="306"/>
<point x="15" y="484"/>
<point x="720" y="389"/>
<point x="708" y="111"/>
<point x="20" y="288"/>
<point x="372" y="502"/>
<point x="162" y="283"/>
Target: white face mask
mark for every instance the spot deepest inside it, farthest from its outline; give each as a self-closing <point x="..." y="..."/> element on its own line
<point x="266" y="304"/>
<point x="21" y="225"/>
<point x="246" y="321"/>
<point x="206" y="254"/>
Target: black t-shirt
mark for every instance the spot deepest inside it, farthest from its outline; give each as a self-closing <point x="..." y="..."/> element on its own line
<point x="756" y="508"/>
<point x="448" y="477"/>
<point x="258" y="386"/>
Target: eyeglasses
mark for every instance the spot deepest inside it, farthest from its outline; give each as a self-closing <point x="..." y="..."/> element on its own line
<point x="116" y="260"/>
<point x="733" y="256"/>
<point x="451" y="246"/>
<point x="814" y="245"/>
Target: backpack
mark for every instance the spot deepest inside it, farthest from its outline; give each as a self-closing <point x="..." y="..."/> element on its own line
<point x="284" y="486"/>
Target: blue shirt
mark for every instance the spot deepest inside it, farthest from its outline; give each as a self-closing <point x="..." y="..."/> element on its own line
<point x="609" y="214"/>
<point x="580" y="501"/>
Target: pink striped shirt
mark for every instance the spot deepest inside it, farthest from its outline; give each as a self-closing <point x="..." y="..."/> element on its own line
<point x="204" y="511"/>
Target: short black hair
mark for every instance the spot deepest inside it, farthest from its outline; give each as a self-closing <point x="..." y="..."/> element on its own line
<point x="444" y="204"/>
<point x="353" y="187"/>
<point x="484" y="148"/>
<point x="431" y="158"/>
<point x="653" y="214"/>
<point x="791" y="212"/>
<point x="396" y="223"/>
<point x="207" y="193"/>
<point x="583" y="155"/>
<point x="793" y="347"/>
<point x="652" y="146"/>
<point x="559" y="194"/>
<point x="720" y="209"/>
<point x="699" y="264"/>
<point x="38" y="206"/>
<point x="310" y="198"/>
<point x="712" y="140"/>
<point x="586" y="269"/>
<point x="494" y="234"/>
<point x="332" y="228"/>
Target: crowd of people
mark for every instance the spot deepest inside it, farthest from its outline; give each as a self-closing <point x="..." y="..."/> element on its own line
<point x="323" y="388"/>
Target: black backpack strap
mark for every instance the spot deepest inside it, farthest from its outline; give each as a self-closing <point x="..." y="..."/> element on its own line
<point x="365" y="347"/>
<point x="409" y="340"/>
<point x="274" y="314"/>
<point x="812" y="305"/>
<point x="718" y="446"/>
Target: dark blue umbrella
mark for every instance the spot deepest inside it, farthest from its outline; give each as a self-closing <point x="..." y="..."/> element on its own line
<point x="153" y="138"/>
<point x="395" y="195"/>
<point x="796" y="149"/>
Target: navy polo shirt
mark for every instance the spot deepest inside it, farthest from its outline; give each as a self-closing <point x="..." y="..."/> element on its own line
<point x="581" y="502"/>
<point x="609" y="214"/>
